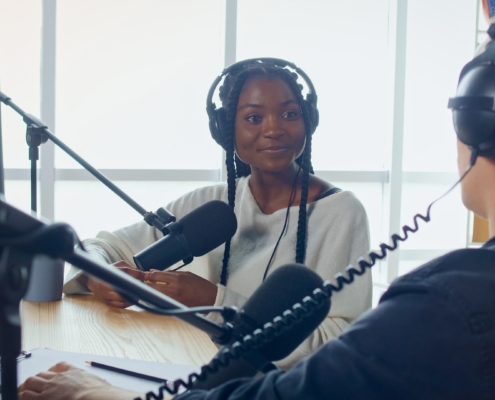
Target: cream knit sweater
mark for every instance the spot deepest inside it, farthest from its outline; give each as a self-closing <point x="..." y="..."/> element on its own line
<point x="337" y="236"/>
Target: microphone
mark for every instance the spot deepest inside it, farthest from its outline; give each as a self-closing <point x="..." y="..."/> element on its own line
<point x="285" y="287"/>
<point x="196" y="234"/>
<point x="22" y="235"/>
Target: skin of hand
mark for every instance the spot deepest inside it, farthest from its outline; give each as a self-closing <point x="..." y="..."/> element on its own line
<point x="185" y="287"/>
<point x="107" y="294"/>
<point x="66" y="382"/>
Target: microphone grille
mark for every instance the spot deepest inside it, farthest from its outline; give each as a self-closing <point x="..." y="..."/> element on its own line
<point x="209" y="226"/>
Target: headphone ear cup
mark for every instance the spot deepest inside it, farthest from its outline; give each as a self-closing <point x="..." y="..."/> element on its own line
<point x="476" y="127"/>
<point x="313" y="115"/>
<point x="218" y="125"/>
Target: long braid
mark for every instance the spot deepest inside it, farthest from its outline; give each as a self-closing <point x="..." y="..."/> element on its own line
<point x="302" y="221"/>
<point x="229" y="94"/>
<point x="305" y="162"/>
<point x="231" y="112"/>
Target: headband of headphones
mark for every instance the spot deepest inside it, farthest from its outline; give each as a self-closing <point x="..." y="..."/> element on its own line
<point x="217" y="116"/>
<point x="473" y="108"/>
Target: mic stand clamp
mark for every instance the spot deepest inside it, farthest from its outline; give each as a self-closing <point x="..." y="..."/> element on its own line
<point x="38" y="133"/>
<point x="159" y="220"/>
<point x="35" y="136"/>
<point x="176" y="230"/>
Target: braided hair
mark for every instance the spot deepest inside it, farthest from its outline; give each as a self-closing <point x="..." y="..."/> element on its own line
<point x="229" y="95"/>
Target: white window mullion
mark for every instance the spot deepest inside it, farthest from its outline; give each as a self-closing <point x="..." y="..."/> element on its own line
<point x="230" y="53"/>
<point x="394" y="189"/>
<point x="48" y="60"/>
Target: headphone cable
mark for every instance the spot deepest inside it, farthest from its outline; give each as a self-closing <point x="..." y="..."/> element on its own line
<point x="291" y="200"/>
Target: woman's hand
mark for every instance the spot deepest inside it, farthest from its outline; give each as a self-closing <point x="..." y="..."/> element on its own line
<point x="107" y="294"/>
<point x="185" y="287"/>
<point x="66" y="382"/>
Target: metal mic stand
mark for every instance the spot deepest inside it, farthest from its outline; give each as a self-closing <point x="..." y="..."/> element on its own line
<point x="15" y="266"/>
<point x="37" y="133"/>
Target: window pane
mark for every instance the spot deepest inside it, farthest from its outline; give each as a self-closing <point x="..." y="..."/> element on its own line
<point x="104" y="210"/>
<point x="448" y="226"/>
<point x="20" y="27"/>
<point x="371" y="196"/>
<point x="437" y="48"/>
<point x="18" y="193"/>
<point x="342" y="46"/>
<point x="132" y="79"/>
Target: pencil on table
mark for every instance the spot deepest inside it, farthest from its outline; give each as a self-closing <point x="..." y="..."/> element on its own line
<point x="126" y="372"/>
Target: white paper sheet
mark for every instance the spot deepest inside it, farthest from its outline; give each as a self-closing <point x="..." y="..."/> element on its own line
<point x="43" y="359"/>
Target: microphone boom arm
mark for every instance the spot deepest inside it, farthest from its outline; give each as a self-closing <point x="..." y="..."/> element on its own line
<point x="38" y="133"/>
<point x="29" y="235"/>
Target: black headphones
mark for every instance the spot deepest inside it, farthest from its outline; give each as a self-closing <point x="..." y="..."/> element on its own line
<point x="473" y="108"/>
<point x="217" y="116"/>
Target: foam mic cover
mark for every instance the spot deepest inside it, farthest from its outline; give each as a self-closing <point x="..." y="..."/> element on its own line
<point x="283" y="288"/>
<point x="196" y="234"/>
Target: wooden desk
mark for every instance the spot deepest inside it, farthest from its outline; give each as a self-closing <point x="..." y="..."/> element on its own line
<point x="82" y="324"/>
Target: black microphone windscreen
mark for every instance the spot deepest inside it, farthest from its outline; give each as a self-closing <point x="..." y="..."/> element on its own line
<point x="208" y="226"/>
<point x="283" y="288"/>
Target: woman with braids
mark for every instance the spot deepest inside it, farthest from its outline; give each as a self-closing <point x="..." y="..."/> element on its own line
<point x="285" y="214"/>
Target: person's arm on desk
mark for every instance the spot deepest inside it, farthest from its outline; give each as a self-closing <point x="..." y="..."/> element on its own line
<point x="66" y="382"/>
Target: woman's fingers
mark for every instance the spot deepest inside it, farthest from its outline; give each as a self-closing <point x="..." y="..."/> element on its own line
<point x="106" y="294"/>
<point x="118" y="304"/>
<point x="185" y="287"/>
<point x="135" y="273"/>
<point x="109" y="294"/>
<point x="166" y="276"/>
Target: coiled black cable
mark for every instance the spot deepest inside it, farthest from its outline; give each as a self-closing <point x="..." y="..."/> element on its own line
<point x="247" y="344"/>
<point x="290" y="317"/>
<point x="270" y="330"/>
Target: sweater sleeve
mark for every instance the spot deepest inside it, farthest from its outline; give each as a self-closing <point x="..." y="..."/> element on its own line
<point x="122" y="244"/>
<point x="110" y="247"/>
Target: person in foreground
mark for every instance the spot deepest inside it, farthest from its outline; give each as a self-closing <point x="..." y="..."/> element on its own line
<point x="284" y="212"/>
<point x="431" y="337"/>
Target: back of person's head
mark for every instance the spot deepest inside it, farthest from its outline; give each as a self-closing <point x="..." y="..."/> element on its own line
<point x="473" y="110"/>
<point x="474" y="104"/>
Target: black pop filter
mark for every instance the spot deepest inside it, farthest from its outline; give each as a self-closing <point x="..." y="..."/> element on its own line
<point x="208" y="226"/>
<point x="196" y="234"/>
<point x="283" y="288"/>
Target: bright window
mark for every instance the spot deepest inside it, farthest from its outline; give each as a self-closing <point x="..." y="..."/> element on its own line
<point x="131" y="83"/>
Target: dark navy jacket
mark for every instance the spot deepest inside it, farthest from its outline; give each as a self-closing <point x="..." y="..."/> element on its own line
<point x="431" y="337"/>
